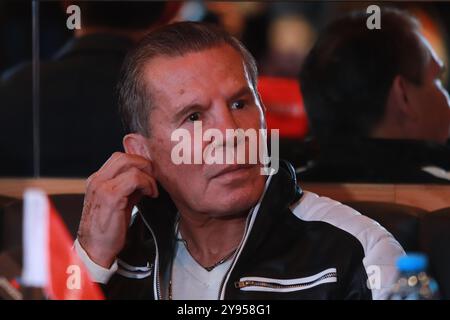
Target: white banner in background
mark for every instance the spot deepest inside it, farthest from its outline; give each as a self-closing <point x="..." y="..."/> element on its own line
<point x="35" y="241"/>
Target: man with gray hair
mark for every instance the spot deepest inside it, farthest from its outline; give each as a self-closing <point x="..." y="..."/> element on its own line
<point x="153" y="229"/>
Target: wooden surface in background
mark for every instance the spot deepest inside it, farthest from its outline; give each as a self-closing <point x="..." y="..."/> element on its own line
<point x="429" y="197"/>
<point x="14" y="187"/>
<point x="426" y="196"/>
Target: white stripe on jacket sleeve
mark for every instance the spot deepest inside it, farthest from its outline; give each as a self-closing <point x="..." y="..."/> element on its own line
<point x="381" y="250"/>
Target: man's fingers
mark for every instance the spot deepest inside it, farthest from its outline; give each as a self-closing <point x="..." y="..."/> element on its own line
<point x="117" y="164"/>
<point x="133" y="180"/>
<point x="120" y="162"/>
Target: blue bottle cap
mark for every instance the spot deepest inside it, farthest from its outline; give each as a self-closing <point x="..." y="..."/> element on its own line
<point x="412" y="262"/>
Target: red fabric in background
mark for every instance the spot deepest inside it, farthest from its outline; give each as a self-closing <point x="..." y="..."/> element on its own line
<point x="64" y="264"/>
<point x="284" y="103"/>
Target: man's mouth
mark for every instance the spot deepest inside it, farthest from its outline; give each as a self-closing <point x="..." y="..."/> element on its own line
<point x="231" y="169"/>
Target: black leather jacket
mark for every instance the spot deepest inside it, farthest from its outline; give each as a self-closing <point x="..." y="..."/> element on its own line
<point x="296" y="246"/>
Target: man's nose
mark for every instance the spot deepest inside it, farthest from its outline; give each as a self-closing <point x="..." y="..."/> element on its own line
<point x="225" y="119"/>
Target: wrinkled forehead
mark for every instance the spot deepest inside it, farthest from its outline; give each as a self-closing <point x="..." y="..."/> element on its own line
<point x="202" y="76"/>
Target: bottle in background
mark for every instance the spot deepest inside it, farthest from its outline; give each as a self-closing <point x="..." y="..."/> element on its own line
<point x="413" y="282"/>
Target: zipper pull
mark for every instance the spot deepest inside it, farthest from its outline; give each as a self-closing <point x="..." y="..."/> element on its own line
<point x="241" y="284"/>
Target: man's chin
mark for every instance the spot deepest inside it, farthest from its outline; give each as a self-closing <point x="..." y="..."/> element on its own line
<point x="238" y="203"/>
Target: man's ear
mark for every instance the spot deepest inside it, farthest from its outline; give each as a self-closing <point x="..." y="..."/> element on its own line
<point x="401" y="97"/>
<point x="135" y="143"/>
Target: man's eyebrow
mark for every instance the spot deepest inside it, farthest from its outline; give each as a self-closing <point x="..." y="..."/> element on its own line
<point x="185" y="109"/>
<point x="242" y="92"/>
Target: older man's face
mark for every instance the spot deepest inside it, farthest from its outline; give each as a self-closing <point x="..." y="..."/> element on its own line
<point x="213" y="87"/>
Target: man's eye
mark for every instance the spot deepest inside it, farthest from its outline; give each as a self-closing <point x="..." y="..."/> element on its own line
<point x="238" y="104"/>
<point x="194" y="117"/>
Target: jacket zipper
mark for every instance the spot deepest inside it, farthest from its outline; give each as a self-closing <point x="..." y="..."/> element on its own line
<point x="233" y="262"/>
<point x="275" y="285"/>
<point x="248" y="226"/>
<point x="156" y="262"/>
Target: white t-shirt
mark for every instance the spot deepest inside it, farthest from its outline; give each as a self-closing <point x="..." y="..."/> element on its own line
<point x="190" y="281"/>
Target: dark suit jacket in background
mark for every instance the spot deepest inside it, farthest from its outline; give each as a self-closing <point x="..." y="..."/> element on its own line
<point x="79" y="122"/>
<point x="377" y="161"/>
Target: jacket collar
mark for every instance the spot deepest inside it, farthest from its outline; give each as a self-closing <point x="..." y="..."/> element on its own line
<point x="281" y="192"/>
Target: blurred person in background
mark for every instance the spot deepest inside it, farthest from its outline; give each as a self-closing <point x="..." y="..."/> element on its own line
<point x="290" y="37"/>
<point x="16" y="35"/>
<point x="79" y="124"/>
<point x="376" y="104"/>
